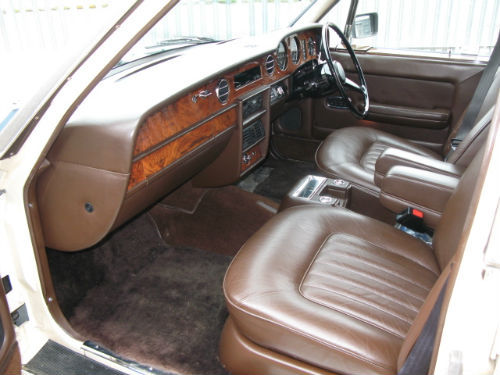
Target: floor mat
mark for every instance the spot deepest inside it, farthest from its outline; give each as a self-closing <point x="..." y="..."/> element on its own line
<point x="154" y="304"/>
<point x="219" y="220"/>
<point x="274" y="178"/>
<point x="55" y="359"/>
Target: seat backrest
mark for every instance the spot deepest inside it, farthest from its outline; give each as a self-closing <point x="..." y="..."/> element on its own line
<point x="446" y="241"/>
<point x="471" y="144"/>
<point x="451" y="225"/>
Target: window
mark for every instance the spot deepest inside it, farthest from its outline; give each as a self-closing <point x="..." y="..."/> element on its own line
<point x="454" y="28"/>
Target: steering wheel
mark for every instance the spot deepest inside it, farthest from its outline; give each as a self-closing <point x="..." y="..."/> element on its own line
<point x="338" y="72"/>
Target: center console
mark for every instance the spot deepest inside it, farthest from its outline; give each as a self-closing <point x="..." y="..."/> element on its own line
<point x="249" y="141"/>
<point x="405" y="181"/>
<point x="255" y="128"/>
<point x="318" y="190"/>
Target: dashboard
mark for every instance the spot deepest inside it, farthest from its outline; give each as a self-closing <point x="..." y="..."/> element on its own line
<point x="203" y="115"/>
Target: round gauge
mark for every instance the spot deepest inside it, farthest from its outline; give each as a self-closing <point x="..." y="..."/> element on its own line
<point x="282" y="56"/>
<point x="311" y="46"/>
<point x="295" y="50"/>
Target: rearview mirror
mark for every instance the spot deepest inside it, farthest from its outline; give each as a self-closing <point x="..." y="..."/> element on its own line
<point x="365" y="25"/>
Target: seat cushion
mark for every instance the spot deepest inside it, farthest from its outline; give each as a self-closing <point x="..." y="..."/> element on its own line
<point x="330" y="288"/>
<point x="351" y="153"/>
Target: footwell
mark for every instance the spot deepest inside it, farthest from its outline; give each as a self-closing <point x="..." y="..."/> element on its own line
<point x="152" y="303"/>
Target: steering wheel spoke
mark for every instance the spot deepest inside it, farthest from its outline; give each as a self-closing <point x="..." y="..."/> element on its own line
<point x="338" y="73"/>
<point x="353" y="85"/>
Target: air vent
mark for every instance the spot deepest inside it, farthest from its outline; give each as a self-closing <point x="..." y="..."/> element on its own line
<point x="252" y="134"/>
<point x="270" y="65"/>
<point x="222" y="91"/>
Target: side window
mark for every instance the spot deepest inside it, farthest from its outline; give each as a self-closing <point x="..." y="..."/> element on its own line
<point x="457" y="29"/>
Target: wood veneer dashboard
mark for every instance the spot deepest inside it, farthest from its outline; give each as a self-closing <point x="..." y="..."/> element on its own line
<point x="127" y="146"/>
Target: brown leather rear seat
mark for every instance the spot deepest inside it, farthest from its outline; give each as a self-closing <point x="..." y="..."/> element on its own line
<point x="335" y="290"/>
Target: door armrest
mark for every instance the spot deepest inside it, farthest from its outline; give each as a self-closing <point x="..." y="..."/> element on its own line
<point x="409" y="116"/>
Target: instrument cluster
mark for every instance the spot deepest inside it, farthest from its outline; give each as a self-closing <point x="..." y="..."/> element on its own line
<point x="296" y="50"/>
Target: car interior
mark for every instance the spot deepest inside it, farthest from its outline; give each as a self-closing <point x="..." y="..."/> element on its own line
<point x="267" y="207"/>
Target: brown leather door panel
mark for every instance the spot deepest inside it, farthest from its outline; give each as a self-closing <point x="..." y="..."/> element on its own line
<point x="415" y="98"/>
<point x="401" y="115"/>
<point x="10" y="362"/>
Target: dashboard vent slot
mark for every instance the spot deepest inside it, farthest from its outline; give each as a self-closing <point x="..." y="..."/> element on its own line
<point x="252" y="134"/>
<point x="270" y="65"/>
<point x="222" y="90"/>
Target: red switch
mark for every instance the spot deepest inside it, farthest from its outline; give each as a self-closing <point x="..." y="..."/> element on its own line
<point x="417" y="213"/>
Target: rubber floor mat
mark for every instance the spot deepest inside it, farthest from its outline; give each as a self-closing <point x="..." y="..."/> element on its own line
<point x="55" y="359"/>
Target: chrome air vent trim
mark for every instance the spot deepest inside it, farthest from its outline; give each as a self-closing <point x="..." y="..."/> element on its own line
<point x="222" y="90"/>
<point x="270" y="65"/>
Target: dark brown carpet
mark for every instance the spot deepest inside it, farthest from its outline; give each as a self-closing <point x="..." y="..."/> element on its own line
<point x="158" y="305"/>
<point x="221" y="221"/>
<point x="121" y="255"/>
<point x="186" y="198"/>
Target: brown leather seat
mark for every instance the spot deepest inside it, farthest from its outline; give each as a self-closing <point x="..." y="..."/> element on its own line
<point x="326" y="290"/>
<point x="351" y="153"/>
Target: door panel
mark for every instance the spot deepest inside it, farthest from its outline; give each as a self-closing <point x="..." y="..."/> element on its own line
<point x="415" y="98"/>
<point x="433" y="118"/>
<point x="10" y="362"/>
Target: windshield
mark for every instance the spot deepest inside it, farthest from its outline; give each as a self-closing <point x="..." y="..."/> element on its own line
<point x="38" y="37"/>
<point x="194" y="22"/>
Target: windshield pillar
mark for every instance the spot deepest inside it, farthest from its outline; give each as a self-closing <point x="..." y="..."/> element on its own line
<point x="350" y="19"/>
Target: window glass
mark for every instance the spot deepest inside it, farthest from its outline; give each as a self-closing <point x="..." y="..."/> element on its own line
<point x="338" y="16"/>
<point x="454" y="28"/>
<point x="204" y="21"/>
<point x="36" y="37"/>
<point x="457" y="28"/>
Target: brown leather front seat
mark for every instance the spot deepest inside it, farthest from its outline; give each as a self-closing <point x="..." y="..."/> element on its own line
<point x="351" y="153"/>
<point x="326" y="290"/>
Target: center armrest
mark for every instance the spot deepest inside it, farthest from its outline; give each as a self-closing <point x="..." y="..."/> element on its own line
<point x="427" y="191"/>
<point x="393" y="156"/>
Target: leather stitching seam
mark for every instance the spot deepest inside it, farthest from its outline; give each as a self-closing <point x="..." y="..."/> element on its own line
<point x="388" y="250"/>
<point x="351" y="269"/>
<point x="371" y="323"/>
